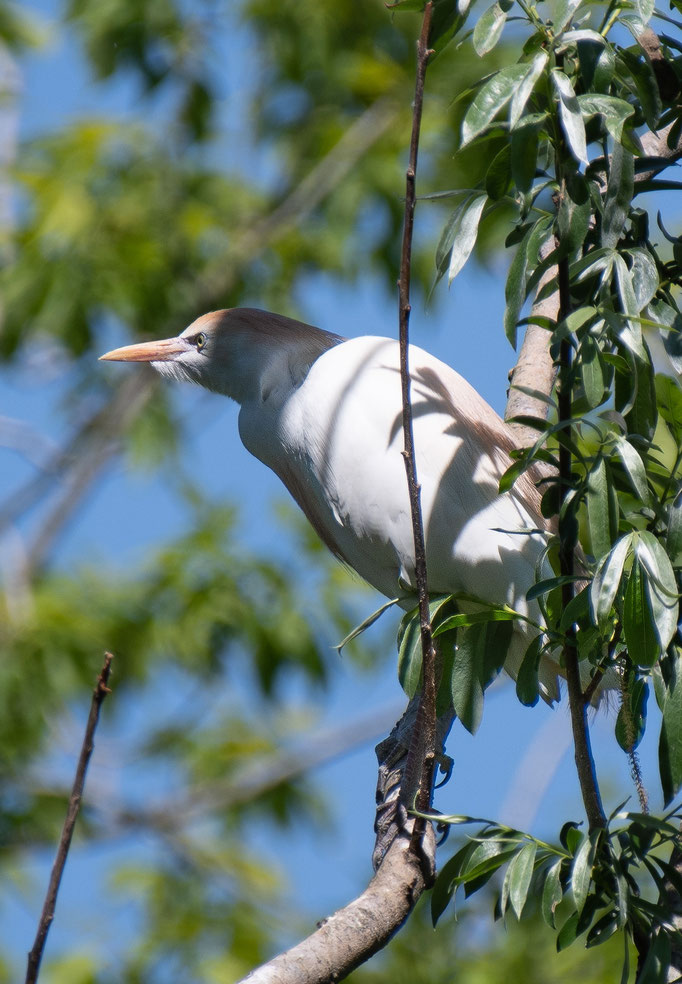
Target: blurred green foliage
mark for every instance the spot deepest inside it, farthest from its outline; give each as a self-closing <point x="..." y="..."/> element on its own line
<point x="143" y="225"/>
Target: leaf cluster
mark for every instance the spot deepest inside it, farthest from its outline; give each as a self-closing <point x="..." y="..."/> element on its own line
<point x="590" y="885"/>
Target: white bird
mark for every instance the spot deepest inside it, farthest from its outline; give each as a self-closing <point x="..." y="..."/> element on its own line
<point x="324" y="413"/>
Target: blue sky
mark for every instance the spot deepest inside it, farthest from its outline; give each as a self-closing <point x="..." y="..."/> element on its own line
<point x="497" y="773"/>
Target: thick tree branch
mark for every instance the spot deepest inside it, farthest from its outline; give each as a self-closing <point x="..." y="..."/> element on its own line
<point x="47" y="915"/>
<point x="534" y="369"/>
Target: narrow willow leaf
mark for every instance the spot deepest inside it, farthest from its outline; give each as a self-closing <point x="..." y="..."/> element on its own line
<point x="525" y="259"/>
<point x="631" y="719"/>
<point x="563" y="12"/>
<point x="638" y="621"/>
<point x="600" y="519"/>
<point x="498" y="176"/>
<point x="660" y="585"/>
<point x="448" y="236"/>
<point x="520" y="874"/>
<point x="619" y="191"/>
<point x="630" y="332"/>
<point x="606" y="581"/>
<point x="489" y="27"/>
<point x="644" y="275"/>
<point x="657" y="962"/>
<point x="573" y="218"/>
<point x="489" y="100"/>
<point x="446" y="882"/>
<point x="527" y="684"/>
<point x="409" y="654"/>
<point x="467" y="692"/>
<point x="515" y="289"/>
<point x="525" y="142"/>
<point x="645" y="82"/>
<point x="615" y="111"/>
<point x="581" y="872"/>
<point x="366" y="623"/>
<point x="568" y="933"/>
<point x="525" y="87"/>
<point x="466" y="238"/>
<point x="603" y="929"/>
<point x="674" y="537"/>
<point x="552" y="893"/>
<point x="638" y="18"/>
<point x="592" y="371"/>
<point x="634" y="469"/>
<point x="636" y="395"/>
<point x="569" y="115"/>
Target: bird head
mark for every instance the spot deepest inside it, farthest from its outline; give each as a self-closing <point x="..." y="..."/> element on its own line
<point x="243" y="353"/>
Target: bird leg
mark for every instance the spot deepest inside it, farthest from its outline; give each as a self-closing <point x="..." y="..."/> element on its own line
<point x="396" y="788"/>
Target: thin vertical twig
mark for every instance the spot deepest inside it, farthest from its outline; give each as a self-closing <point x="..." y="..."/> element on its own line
<point x="47" y="915"/>
<point x="584" y="761"/>
<point x="422" y="745"/>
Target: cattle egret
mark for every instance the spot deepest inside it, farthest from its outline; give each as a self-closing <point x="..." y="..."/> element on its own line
<point x="324" y="413"/>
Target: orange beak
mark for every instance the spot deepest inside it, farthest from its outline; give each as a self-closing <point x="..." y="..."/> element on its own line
<point x="162" y="351"/>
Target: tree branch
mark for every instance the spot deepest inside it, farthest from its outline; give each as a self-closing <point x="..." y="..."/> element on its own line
<point x="421" y="757"/>
<point x="47" y="915"/>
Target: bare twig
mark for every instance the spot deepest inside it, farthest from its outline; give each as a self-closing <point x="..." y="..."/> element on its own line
<point x="422" y="746"/>
<point x="47" y="915"/>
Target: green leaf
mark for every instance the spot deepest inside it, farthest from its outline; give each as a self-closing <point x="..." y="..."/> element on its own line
<point x="581" y="872"/>
<point x="660" y="586"/>
<point x="520" y="874"/>
<point x="465" y="619"/>
<point x="631" y="719"/>
<point x="674" y="536"/>
<point x="634" y="469"/>
<point x="552" y="893"/>
<point x="655" y="968"/>
<point x="527" y="684"/>
<point x="489" y="100"/>
<point x="638" y="623"/>
<point x="446" y="882"/>
<point x="669" y="400"/>
<point x="615" y="111"/>
<point x="525" y="87"/>
<point x="562" y="14"/>
<point x="602" y="515"/>
<point x="525" y="141"/>
<point x="569" y="116"/>
<point x="448" y="237"/>
<point x="465" y="683"/>
<point x="489" y="27"/>
<point x="466" y="235"/>
<point x="606" y="581"/>
<point x="644" y="275"/>
<point x="592" y="371"/>
<point x="573" y="217"/>
<point x="365" y="624"/>
<point x="568" y="933"/>
<point x="618" y="200"/>
<point x="645" y="82"/>
<point x="409" y="654"/>
<point x="635" y="393"/>
<point x="498" y="175"/>
<point x="603" y="929"/>
<point x="525" y="258"/>
<point x="638" y="18"/>
<point x="480" y="655"/>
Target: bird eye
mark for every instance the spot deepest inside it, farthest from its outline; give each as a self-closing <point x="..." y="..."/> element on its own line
<point x="200" y="340"/>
